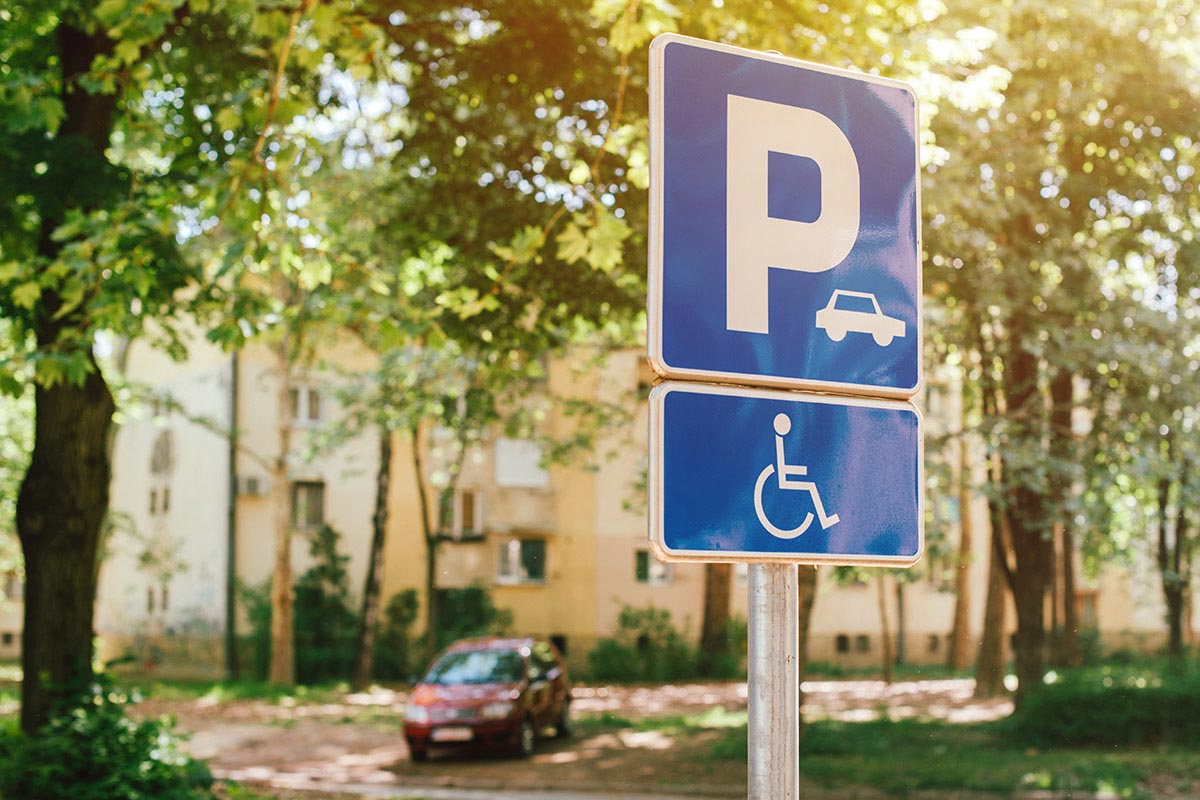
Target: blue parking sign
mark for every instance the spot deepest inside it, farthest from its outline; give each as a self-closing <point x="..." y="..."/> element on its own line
<point x="741" y="474"/>
<point x="785" y="223"/>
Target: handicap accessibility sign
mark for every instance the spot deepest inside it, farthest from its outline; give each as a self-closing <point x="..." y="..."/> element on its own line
<point x="741" y="474"/>
<point x="785" y="223"/>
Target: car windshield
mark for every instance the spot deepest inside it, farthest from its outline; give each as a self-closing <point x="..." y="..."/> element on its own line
<point x="849" y="302"/>
<point x="476" y="666"/>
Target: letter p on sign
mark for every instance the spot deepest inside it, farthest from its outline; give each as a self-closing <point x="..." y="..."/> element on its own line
<point x="757" y="242"/>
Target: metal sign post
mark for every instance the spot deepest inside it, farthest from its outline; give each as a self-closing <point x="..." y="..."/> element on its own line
<point x="773" y="662"/>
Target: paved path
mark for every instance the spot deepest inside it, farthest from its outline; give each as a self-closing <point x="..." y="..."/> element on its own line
<point x="459" y="793"/>
<point x="403" y="792"/>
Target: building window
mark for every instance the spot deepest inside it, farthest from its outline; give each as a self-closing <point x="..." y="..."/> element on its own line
<point x="14" y="586"/>
<point x="166" y="500"/>
<point x="862" y="643"/>
<point x="648" y="569"/>
<point x="7" y="639"/>
<point x="154" y="501"/>
<point x="467" y="515"/>
<point x="162" y="455"/>
<point x="307" y="405"/>
<point x="518" y="465"/>
<point x="1085" y="608"/>
<point x="149" y="599"/>
<point x="935" y="643"/>
<point x="308" y="505"/>
<point x="841" y="643"/>
<point x="522" y="561"/>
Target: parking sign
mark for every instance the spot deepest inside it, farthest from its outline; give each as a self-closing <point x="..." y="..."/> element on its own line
<point x="741" y="474"/>
<point x="785" y="224"/>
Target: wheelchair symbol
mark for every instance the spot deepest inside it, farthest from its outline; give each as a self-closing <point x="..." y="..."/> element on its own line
<point x="786" y="474"/>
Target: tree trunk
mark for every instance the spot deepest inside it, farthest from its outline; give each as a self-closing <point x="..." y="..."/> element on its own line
<point x="1183" y="556"/>
<point x="1072" y="656"/>
<point x="717" y="587"/>
<point x="1065" y="646"/>
<point x="959" y="655"/>
<point x="1026" y="496"/>
<point x="885" y="629"/>
<point x="431" y="543"/>
<point x="1035" y="560"/>
<point x="1055" y="597"/>
<point x="1171" y="586"/>
<point x="64" y="494"/>
<point x="364" y="660"/>
<point x="283" y="657"/>
<point x="807" y="591"/>
<point x="60" y="509"/>
<point x="989" y="666"/>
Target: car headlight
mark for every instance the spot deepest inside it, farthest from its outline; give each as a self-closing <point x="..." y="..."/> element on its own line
<point x="418" y="715"/>
<point x="497" y="710"/>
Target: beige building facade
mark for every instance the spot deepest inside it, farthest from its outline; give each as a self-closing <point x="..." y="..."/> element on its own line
<point x="563" y="548"/>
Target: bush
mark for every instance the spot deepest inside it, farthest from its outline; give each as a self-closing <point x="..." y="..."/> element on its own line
<point x="467" y="612"/>
<point x="395" y="652"/>
<point x="1100" y="708"/>
<point x="646" y="647"/>
<point x="91" y="750"/>
<point x="326" y="626"/>
<point x="257" y="644"/>
<point x="730" y="661"/>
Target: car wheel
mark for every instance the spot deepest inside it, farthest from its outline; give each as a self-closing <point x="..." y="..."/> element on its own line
<point x="562" y="728"/>
<point x="882" y="339"/>
<point x="419" y="755"/>
<point x="526" y="736"/>
<point x="837" y="334"/>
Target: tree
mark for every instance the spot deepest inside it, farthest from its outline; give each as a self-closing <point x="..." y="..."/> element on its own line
<point x="117" y="116"/>
<point x="500" y="236"/>
<point x="718" y="580"/>
<point x="959" y="656"/>
<point x="1145" y="443"/>
<point x="1061" y="177"/>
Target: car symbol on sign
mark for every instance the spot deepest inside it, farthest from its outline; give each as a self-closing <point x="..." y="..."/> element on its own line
<point x="858" y="312"/>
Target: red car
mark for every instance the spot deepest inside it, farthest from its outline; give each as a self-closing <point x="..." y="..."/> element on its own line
<point x="492" y="693"/>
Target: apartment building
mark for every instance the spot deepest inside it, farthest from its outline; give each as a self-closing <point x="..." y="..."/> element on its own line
<point x="563" y="547"/>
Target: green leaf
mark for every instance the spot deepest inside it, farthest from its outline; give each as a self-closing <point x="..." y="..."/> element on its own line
<point x="127" y="51"/>
<point x="111" y="12"/>
<point x="573" y="244"/>
<point x="48" y="372"/>
<point x="228" y="118"/>
<point x="10" y="385"/>
<point x="51" y="111"/>
<point x="523" y="247"/>
<point x="607" y="236"/>
<point x="580" y="174"/>
<point x="27" y="295"/>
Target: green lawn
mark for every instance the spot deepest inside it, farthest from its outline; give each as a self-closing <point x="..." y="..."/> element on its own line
<point x="903" y="756"/>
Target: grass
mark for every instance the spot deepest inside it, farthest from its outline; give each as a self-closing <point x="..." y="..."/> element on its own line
<point x="714" y="718"/>
<point x="911" y="755"/>
<point x="226" y="691"/>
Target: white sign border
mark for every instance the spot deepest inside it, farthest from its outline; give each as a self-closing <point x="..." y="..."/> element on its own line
<point x="657" y="507"/>
<point x="654" y="278"/>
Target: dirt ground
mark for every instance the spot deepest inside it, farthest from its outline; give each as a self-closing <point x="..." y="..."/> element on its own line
<point x="356" y="740"/>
